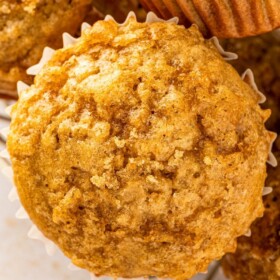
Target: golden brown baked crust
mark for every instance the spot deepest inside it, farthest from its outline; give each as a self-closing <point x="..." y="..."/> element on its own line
<point x="222" y="18"/>
<point x="139" y="151"/>
<point x="26" y="27"/>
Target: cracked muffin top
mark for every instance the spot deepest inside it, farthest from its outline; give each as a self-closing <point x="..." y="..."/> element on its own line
<point x="139" y="151"/>
<point x="26" y="27"/>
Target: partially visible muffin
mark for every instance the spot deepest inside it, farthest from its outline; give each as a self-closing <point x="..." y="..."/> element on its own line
<point x="26" y="27"/>
<point x="223" y="18"/>
<point x="119" y="9"/>
<point x="140" y="151"/>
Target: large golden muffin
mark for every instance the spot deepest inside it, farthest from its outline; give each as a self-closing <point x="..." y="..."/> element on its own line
<point x="258" y="257"/>
<point x="26" y="27"/>
<point x="139" y="151"/>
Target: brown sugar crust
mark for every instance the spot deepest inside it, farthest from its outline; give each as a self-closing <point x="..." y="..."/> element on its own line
<point x="258" y="257"/>
<point x="26" y="27"/>
<point x="262" y="55"/>
<point x="139" y="151"/>
<point x="222" y="18"/>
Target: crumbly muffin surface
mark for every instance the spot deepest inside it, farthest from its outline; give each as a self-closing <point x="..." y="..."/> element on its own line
<point x="26" y="27"/>
<point x="139" y="151"/>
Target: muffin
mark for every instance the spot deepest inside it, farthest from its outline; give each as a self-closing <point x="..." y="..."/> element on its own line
<point x="262" y="55"/>
<point x="139" y="151"/>
<point x="26" y="27"/>
<point x="258" y="257"/>
<point x="119" y="9"/>
<point x="225" y="19"/>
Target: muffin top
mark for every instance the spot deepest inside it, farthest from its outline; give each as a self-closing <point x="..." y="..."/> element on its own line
<point x="26" y="27"/>
<point x="138" y="150"/>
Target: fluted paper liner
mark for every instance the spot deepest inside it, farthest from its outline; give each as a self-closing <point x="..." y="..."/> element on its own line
<point x="5" y="164"/>
<point x="226" y="55"/>
<point x="222" y="18"/>
<point x="248" y="233"/>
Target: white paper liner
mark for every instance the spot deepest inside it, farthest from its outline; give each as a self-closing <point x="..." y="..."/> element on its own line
<point x="271" y="157"/>
<point x="35" y="233"/>
<point x="35" y="69"/>
<point x="84" y="26"/>
<point x="226" y="55"/>
<point x="68" y="40"/>
<point x="4" y="132"/>
<point x="8" y="110"/>
<point x="13" y="195"/>
<point x="21" y="87"/>
<point x="21" y="214"/>
<point x="248" y="77"/>
<point x="267" y="190"/>
<point x="248" y="233"/>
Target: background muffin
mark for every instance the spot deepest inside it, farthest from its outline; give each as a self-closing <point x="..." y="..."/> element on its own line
<point x="29" y="26"/>
<point x="26" y="27"/>
<point x="225" y="19"/>
<point x="119" y="9"/>
<point x="139" y="150"/>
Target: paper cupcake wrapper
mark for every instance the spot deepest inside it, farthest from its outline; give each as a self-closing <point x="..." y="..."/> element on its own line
<point x="5" y="164"/>
<point x="7" y="92"/>
<point x="239" y="18"/>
